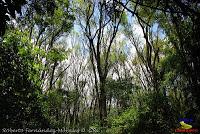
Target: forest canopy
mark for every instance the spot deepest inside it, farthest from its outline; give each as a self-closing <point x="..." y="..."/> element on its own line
<point x="100" y="66"/>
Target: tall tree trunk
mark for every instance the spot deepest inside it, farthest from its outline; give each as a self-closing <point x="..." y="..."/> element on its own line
<point x="102" y="104"/>
<point x="52" y="75"/>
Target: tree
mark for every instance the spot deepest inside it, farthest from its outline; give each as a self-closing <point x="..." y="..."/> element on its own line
<point x="182" y="16"/>
<point x="23" y="91"/>
<point x="101" y="21"/>
<point x="19" y="95"/>
<point x="47" y="22"/>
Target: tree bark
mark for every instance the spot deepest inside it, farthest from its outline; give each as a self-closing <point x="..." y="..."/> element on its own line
<point x="52" y="75"/>
<point x="102" y="104"/>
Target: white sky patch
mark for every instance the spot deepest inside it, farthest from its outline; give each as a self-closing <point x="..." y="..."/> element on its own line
<point x="115" y="76"/>
<point x="138" y="31"/>
<point x="138" y="34"/>
<point x="120" y="37"/>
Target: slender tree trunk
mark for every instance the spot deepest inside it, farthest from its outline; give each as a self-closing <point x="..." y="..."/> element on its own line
<point x="110" y="103"/>
<point x="52" y="75"/>
<point x="102" y="104"/>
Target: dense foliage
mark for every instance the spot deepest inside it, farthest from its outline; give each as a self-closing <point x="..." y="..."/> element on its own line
<point x="84" y="66"/>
